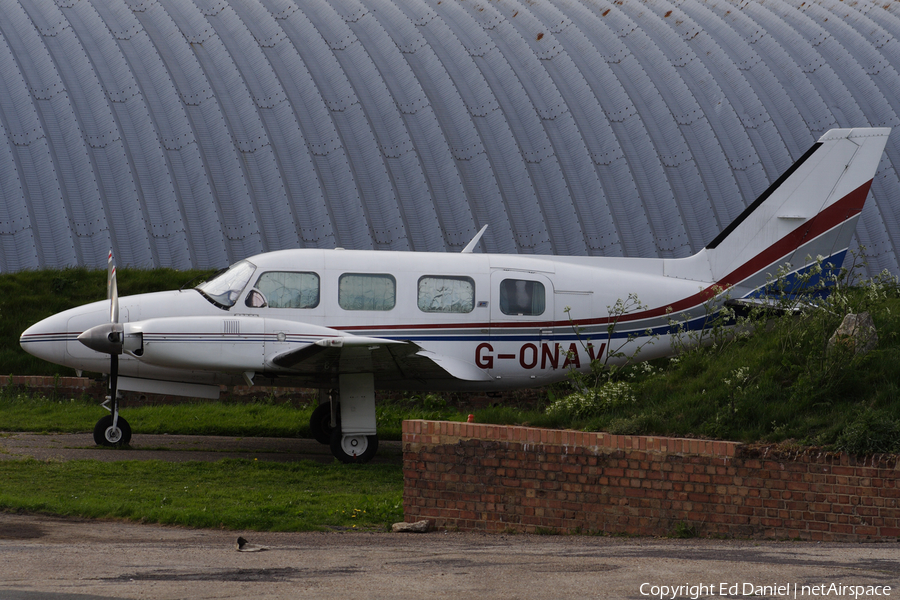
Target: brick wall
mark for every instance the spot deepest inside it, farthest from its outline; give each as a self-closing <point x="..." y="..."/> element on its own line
<point x="45" y="383"/>
<point x="476" y="477"/>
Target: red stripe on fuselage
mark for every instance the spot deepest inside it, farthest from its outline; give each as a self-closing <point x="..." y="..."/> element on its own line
<point x="847" y="207"/>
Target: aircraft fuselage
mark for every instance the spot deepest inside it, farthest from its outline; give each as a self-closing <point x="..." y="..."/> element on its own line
<point x="522" y="320"/>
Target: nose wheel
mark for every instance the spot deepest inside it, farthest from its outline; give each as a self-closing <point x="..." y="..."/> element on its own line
<point x="105" y="434"/>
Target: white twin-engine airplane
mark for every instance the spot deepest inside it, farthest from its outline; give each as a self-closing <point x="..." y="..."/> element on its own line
<point x="357" y="321"/>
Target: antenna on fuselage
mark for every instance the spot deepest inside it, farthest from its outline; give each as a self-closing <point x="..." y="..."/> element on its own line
<point x="470" y="247"/>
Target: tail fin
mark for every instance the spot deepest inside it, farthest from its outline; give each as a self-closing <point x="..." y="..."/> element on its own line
<point x="810" y="211"/>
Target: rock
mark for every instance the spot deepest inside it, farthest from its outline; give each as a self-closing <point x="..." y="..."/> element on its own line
<point x="417" y="527"/>
<point x="856" y="333"/>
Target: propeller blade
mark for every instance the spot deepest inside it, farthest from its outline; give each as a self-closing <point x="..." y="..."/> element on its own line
<point x="112" y="289"/>
<point x="114" y="337"/>
<point x="107" y="338"/>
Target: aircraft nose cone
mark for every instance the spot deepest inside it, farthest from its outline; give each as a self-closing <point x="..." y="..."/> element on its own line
<point x="46" y="340"/>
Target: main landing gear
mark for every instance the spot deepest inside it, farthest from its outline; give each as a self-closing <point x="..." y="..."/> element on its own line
<point x="353" y="448"/>
<point x="348" y="425"/>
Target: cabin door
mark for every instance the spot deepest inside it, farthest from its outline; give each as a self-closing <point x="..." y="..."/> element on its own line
<point x="521" y="334"/>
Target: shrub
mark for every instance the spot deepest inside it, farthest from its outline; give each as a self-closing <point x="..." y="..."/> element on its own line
<point x="872" y="432"/>
<point x="593" y="401"/>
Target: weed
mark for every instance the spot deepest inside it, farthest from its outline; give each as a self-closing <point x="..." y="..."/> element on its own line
<point x="682" y="530"/>
<point x="613" y="354"/>
<point x="591" y="402"/>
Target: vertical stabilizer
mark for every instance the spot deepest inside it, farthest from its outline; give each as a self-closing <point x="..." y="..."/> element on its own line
<point x="810" y="211"/>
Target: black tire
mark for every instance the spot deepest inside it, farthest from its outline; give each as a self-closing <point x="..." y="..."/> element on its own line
<point x="104" y="437"/>
<point x="344" y="449"/>
<point x="320" y="423"/>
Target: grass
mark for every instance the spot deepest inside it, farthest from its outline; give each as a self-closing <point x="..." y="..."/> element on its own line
<point x="25" y="411"/>
<point x="232" y="494"/>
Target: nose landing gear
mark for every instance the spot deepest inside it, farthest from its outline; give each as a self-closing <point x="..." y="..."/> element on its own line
<point x="107" y="434"/>
<point x="113" y="429"/>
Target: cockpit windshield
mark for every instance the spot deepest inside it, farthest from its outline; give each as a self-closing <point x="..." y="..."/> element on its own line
<point x="225" y="288"/>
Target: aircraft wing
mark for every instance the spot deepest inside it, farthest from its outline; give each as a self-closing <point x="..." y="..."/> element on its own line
<point x="387" y="359"/>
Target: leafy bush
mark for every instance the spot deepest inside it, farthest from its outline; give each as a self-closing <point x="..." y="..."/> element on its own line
<point x="872" y="432"/>
<point x="593" y="401"/>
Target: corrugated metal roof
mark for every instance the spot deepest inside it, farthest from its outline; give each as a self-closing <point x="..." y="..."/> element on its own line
<point x="194" y="133"/>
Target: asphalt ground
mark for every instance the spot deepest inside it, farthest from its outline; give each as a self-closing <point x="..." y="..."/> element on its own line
<point x="176" y="448"/>
<point x="49" y="558"/>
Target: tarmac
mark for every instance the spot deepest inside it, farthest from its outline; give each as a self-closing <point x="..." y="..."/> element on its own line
<point x="49" y="558"/>
<point x="176" y="448"/>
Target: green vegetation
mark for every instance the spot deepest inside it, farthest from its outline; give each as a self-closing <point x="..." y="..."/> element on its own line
<point x="234" y="494"/>
<point x="758" y="389"/>
<point x="778" y="379"/>
<point x="24" y="411"/>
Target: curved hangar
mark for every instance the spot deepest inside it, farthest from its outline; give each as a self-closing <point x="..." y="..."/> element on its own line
<point x="193" y="133"/>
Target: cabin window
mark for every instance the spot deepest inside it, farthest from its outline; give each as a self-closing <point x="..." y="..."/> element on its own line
<point x="446" y="294"/>
<point x="289" y="290"/>
<point x="522" y="297"/>
<point x="364" y="291"/>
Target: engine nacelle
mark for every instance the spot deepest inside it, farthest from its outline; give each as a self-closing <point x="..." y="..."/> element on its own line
<point x="227" y="343"/>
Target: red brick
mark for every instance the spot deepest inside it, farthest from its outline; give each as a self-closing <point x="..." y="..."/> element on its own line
<point x="631" y="487"/>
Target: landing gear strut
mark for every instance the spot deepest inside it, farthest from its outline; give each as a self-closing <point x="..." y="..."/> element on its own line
<point x="111" y="430"/>
<point x="348" y="429"/>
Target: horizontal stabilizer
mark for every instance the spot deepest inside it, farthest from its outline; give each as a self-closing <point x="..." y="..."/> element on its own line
<point x="773" y="305"/>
